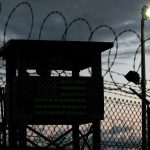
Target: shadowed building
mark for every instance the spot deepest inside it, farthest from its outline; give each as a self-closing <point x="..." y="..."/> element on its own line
<point x="46" y="99"/>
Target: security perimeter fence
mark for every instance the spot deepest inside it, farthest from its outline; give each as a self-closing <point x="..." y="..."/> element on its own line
<point x="120" y="129"/>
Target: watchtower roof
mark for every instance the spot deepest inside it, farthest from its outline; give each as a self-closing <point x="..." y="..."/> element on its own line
<point x="65" y="53"/>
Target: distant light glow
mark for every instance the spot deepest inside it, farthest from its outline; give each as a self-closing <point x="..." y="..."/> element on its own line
<point x="147" y="13"/>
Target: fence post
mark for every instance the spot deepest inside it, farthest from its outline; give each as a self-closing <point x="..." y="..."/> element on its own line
<point x="148" y="120"/>
<point x="96" y="135"/>
<point x="76" y="141"/>
<point x="3" y="117"/>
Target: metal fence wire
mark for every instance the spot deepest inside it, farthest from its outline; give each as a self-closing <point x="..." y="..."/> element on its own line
<point x="120" y="129"/>
<point x="122" y="125"/>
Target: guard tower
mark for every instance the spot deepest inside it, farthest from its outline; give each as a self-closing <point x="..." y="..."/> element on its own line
<point x="47" y="99"/>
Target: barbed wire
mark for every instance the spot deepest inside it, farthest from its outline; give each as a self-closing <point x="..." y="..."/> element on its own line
<point x="121" y="33"/>
<point x="115" y="37"/>
<point x="64" y="36"/>
<point x="127" y="95"/>
<point x="110" y="87"/>
<point x="11" y="13"/>
<point x="106" y="82"/>
<point x="47" y="16"/>
<point x="110" y="62"/>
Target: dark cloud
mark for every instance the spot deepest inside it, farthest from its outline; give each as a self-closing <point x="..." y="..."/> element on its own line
<point x="97" y="11"/>
<point x="120" y="15"/>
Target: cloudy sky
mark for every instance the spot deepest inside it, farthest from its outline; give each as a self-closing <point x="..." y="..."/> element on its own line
<point x="118" y="14"/>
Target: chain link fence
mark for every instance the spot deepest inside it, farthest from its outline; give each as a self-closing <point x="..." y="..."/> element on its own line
<point x="122" y="124"/>
<point x="120" y="129"/>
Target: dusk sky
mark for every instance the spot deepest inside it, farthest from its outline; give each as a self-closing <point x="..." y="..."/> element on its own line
<point x="118" y="14"/>
<point x="123" y="119"/>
